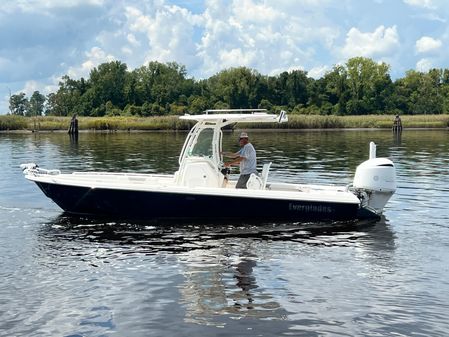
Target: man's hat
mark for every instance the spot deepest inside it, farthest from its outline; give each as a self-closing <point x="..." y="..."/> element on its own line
<point x="243" y="135"/>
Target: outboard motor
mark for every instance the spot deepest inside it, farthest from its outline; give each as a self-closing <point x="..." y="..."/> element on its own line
<point x="375" y="181"/>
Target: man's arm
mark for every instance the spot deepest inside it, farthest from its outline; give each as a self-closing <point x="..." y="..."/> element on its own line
<point x="236" y="161"/>
<point x="231" y="154"/>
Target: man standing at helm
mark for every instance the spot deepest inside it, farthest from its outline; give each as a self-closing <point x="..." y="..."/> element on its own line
<point x="245" y="157"/>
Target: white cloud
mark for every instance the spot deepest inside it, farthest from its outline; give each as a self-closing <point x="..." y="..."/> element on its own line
<point x="269" y="35"/>
<point x="420" y="3"/>
<point x="31" y="86"/>
<point x="248" y="11"/>
<point x="44" y="5"/>
<point x="424" y="65"/>
<point x="236" y="57"/>
<point x="382" y="42"/>
<point x="166" y="34"/>
<point x="318" y="72"/>
<point x="132" y="40"/>
<point x="137" y="20"/>
<point x="94" y="57"/>
<point x="289" y="6"/>
<point x="427" y="44"/>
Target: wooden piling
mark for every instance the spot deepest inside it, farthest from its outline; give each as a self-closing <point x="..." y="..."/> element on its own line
<point x="397" y="124"/>
<point x="73" y="128"/>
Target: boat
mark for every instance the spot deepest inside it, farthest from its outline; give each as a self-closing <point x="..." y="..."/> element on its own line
<point x="203" y="187"/>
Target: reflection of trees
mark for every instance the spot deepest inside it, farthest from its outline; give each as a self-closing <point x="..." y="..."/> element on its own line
<point x="203" y="292"/>
<point x="225" y="287"/>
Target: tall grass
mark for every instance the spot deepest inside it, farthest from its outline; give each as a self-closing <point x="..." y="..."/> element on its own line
<point x="408" y="121"/>
<point x="11" y="122"/>
<point x="353" y="122"/>
<point x="133" y="123"/>
<point x="51" y="123"/>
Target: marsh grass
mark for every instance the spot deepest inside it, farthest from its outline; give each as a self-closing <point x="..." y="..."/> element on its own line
<point x="408" y="121"/>
<point x="133" y="123"/>
<point x="355" y="122"/>
<point x="51" y="123"/>
<point x="11" y="122"/>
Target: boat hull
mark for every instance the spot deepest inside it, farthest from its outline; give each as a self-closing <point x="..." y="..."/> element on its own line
<point x="134" y="204"/>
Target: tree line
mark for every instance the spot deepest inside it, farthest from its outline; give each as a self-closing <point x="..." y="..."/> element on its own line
<point x="359" y="87"/>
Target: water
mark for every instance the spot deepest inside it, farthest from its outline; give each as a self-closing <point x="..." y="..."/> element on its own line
<point x="66" y="276"/>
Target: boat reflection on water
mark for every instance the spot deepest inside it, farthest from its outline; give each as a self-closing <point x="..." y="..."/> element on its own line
<point x="227" y="268"/>
<point x="172" y="236"/>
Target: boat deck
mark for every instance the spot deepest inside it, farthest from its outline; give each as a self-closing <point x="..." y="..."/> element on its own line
<point x="168" y="184"/>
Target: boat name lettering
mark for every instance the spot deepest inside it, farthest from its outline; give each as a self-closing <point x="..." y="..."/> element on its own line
<point x="310" y="208"/>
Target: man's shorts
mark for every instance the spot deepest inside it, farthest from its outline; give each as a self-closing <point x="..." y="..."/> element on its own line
<point x="243" y="179"/>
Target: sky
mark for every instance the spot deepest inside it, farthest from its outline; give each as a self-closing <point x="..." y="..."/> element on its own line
<point x="43" y="40"/>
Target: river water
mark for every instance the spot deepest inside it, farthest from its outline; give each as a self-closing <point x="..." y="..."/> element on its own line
<point x="69" y="276"/>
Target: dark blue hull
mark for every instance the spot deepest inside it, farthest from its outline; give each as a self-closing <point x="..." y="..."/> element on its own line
<point x="152" y="205"/>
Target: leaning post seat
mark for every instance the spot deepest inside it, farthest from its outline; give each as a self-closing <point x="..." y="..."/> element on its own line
<point x="259" y="183"/>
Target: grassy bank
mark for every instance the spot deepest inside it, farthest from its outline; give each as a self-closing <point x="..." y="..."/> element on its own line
<point x="50" y="123"/>
<point x="174" y="123"/>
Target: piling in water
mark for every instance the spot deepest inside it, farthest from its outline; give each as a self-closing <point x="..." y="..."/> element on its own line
<point x="397" y="124"/>
<point x="73" y="128"/>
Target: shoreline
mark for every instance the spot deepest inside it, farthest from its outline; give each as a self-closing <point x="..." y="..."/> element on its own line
<point x="26" y="131"/>
<point x="21" y="124"/>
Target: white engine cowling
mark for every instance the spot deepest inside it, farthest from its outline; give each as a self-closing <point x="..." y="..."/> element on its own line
<point x="377" y="178"/>
<point x="378" y="174"/>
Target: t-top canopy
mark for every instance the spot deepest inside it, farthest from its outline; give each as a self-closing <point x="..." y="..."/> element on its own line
<point x="238" y="115"/>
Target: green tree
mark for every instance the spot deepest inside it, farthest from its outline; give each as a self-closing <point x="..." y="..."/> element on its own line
<point x="361" y="86"/>
<point x="36" y="104"/>
<point x="236" y="87"/>
<point x="420" y="93"/>
<point x="427" y="99"/>
<point x="291" y="88"/>
<point x="444" y="90"/>
<point x="265" y="104"/>
<point x="369" y="84"/>
<point x="197" y="104"/>
<point x="333" y="92"/>
<point x="159" y="83"/>
<point x="68" y="99"/>
<point x="18" y="104"/>
<point x="107" y="83"/>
